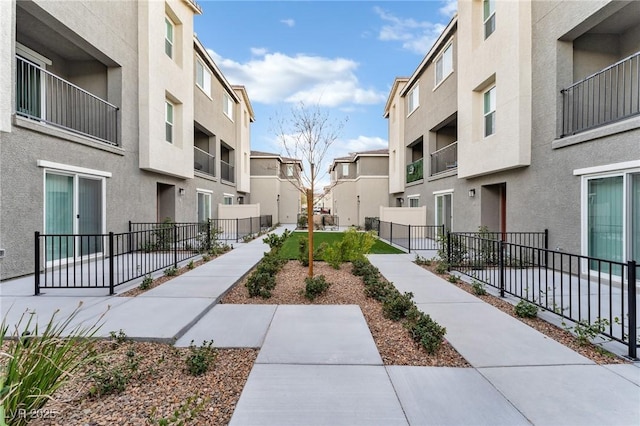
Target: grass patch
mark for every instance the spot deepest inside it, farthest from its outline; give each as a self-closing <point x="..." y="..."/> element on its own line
<point x="290" y="248"/>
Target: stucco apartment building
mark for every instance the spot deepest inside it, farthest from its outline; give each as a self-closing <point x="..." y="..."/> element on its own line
<point x="108" y="115"/>
<point x="547" y="124"/>
<point x="276" y="183"/>
<point x="359" y="185"/>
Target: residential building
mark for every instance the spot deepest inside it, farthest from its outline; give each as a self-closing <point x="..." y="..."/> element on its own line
<point x="277" y="185"/>
<point x="101" y="111"/>
<point x="547" y="124"/>
<point x="359" y="185"/>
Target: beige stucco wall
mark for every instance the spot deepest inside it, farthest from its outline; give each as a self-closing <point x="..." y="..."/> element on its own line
<point x="238" y="211"/>
<point x="243" y="146"/>
<point x="7" y="29"/>
<point x="396" y="141"/>
<point x="404" y="215"/>
<point x="265" y="191"/>
<point x="373" y="195"/>
<point x="503" y="59"/>
<point x="174" y="82"/>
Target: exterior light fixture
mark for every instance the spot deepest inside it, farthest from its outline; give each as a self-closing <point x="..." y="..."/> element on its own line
<point x="472" y="192"/>
<point x="181" y="191"/>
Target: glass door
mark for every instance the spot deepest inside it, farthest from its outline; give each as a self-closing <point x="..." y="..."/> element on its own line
<point x="444" y="214"/>
<point x="89" y="215"/>
<point x="605" y="220"/>
<point x="59" y="216"/>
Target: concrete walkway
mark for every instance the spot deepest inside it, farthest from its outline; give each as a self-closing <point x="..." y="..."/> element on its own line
<point x="319" y="365"/>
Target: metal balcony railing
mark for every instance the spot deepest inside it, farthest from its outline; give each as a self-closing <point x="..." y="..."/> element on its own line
<point x="43" y="96"/>
<point x="204" y="162"/>
<point x="227" y="172"/>
<point x="607" y="96"/>
<point x="414" y="171"/>
<point x="444" y="159"/>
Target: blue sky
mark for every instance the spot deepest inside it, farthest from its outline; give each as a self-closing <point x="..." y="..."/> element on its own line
<point x="343" y="55"/>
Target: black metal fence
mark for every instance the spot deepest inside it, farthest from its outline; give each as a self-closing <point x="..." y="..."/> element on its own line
<point x="109" y="260"/>
<point x="591" y="292"/>
<point x="409" y="237"/>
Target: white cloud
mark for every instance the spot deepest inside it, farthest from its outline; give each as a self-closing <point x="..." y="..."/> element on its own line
<point x="257" y="51"/>
<point x="288" y="22"/>
<point x="449" y="8"/>
<point x="416" y="36"/>
<point x="271" y="78"/>
<point x="365" y="143"/>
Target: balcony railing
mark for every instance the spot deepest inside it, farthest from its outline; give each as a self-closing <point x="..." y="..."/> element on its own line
<point x="46" y="97"/>
<point x="605" y="97"/>
<point x="227" y="172"/>
<point x="204" y="162"/>
<point x="414" y="171"/>
<point x="444" y="159"/>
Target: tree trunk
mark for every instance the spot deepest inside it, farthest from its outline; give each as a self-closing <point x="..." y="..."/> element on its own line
<point x="310" y="228"/>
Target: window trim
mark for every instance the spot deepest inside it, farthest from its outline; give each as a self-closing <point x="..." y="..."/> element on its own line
<point x="440" y="59"/>
<point x="345" y="166"/>
<point x="225" y="197"/>
<point x="169" y="38"/>
<point x="486" y="19"/>
<point x="410" y="198"/>
<point x="413" y="99"/>
<point x="169" y="105"/>
<point x="227" y="106"/>
<point x="207" y="194"/>
<point x="206" y="78"/>
<point x="289" y="170"/>
<point x="486" y="113"/>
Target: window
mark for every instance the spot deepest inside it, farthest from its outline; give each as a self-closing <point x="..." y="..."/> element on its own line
<point x="203" y="77"/>
<point x="289" y="170"/>
<point x="168" y="37"/>
<point x="413" y="99"/>
<point x="444" y="211"/>
<point x="227" y="106"/>
<point x="444" y="64"/>
<point x="490" y="112"/>
<point x="228" y="199"/>
<point x="345" y="169"/>
<point x="204" y="206"/>
<point x="73" y="204"/>
<point x="489" y="16"/>
<point x="414" y="201"/>
<point x="168" y="119"/>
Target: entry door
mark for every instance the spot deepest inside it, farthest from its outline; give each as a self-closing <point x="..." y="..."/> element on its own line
<point x="444" y="211"/>
<point x="73" y="207"/>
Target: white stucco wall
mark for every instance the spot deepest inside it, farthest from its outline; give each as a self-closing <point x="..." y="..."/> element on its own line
<point x="404" y="215"/>
<point x="238" y="211"/>
<point x="7" y="28"/>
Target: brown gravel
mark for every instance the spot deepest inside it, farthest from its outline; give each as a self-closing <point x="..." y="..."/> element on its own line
<point x="593" y="352"/>
<point x="394" y="343"/>
<point x="160" y="386"/>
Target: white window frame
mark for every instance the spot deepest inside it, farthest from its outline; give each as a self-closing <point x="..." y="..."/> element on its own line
<point x="227" y="197"/>
<point x="345" y="169"/>
<point x="491" y="112"/>
<point x="490" y="17"/>
<point x="169" y="36"/>
<point x="203" y="77"/>
<point x="441" y="194"/>
<point x="169" y="123"/>
<point x="411" y="198"/>
<point x="289" y="170"/>
<point x="227" y="106"/>
<point x="444" y="60"/>
<point x="413" y="99"/>
<point x="207" y="194"/>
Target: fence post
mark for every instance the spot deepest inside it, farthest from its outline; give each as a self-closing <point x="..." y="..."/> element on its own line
<point x="632" y="299"/>
<point x="208" y="245"/>
<point x="37" y="263"/>
<point x="175" y="245"/>
<point x="546" y="247"/>
<point x="449" y="251"/>
<point x="237" y="230"/>
<point x="409" y="238"/>
<point x="111" y="266"/>
<point x="501" y="267"/>
<point x="391" y="233"/>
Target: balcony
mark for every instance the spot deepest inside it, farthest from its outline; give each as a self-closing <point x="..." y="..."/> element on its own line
<point x="227" y="172"/>
<point x="444" y="159"/>
<point x="204" y="162"/>
<point x="414" y="171"/>
<point x="607" y="96"/>
<point x="45" y="97"/>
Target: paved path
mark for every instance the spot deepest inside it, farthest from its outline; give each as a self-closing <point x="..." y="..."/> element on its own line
<point x="319" y="364"/>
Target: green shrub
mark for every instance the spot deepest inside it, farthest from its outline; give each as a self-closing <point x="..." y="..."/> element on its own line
<point x="525" y="309"/>
<point x="424" y="330"/>
<point x="109" y="378"/>
<point x="200" y="358"/>
<point x="39" y="360"/>
<point x="334" y="255"/>
<point x="359" y="267"/>
<point x="190" y="265"/>
<point x="319" y="251"/>
<point x="171" y="272"/>
<point x="315" y="286"/>
<point x="396" y="305"/>
<point x="276" y="241"/>
<point x="356" y="244"/>
<point x="478" y="288"/>
<point x="419" y="260"/>
<point x="146" y="282"/>
<point x="303" y="251"/>
<point x="458" y="250"/>
<point x="442" y="268"/>
<point x="260" y="284"/>
<point x="586" y="332"/>
<point x="452" y="279"/>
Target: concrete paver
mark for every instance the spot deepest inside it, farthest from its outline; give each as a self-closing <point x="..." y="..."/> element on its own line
<point x="231" y="326"/>
<point x="281" y="395"/>
<point x="630" y="372"/>
<point x="568" y="394"/>
<point x="319" y="334"/>
<point x="451" y="396"/>
<point x="203" y="287"/>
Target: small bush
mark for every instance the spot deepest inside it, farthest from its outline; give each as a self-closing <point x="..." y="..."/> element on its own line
<point x="113" y="379"/>
<point x="442" y="268"/>
<point x="315" y="286"/>
<point x="586" y="332"/>
<point x="118" y="338"/>
<point x="478" y="288"/>
<point x="260" y="284"/>
<point x="452" y="279"/>
<point x="303" y="251"/>
<point x="191" y="265"/>
<point x="318" y="253"/>
<point x="526" y="309"/>
<point x="206" y="258"/>
<point x="146" y="282"/>
<point x="276" y="241"/>
<point x="200" y="358"/>
<point x="424" y="330"/>
<point x="334" y="255"/>
<point x="396" y="305"/>
<point x="359" y="267"/>
<point x="171" y="272"/>
<point x="419" y="260"/>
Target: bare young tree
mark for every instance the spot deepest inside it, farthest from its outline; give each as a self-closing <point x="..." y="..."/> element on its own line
<point x="306" y="134"/>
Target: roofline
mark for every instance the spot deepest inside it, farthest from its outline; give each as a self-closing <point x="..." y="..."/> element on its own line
<point x="221" y="78"/>
<point x="245" y="95"/>
<point x="194" y="6"/>
<point x="278" y="157"/>
<point x="355" y="156"/>
<point x="394" y="89"/>
<point x="444" y="35"/>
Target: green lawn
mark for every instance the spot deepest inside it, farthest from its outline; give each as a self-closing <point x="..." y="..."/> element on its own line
<point x="290" y="248"/>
